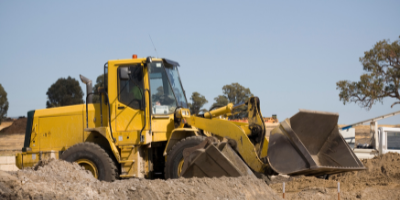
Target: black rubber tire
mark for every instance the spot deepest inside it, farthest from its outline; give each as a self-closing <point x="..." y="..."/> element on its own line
<point x="93" y="152"/>
<point x="326" y="176"/>
<point x="175" y="155"/>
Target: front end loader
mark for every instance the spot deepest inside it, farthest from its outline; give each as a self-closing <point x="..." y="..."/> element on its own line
<point x="309" y="143"/>
<point x="141" y="127"/>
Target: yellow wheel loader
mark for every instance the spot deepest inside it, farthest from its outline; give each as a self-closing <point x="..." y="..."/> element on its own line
<point x="142" y="127"/>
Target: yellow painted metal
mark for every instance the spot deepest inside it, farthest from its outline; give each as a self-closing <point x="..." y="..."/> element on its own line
<point x="264" y="151"/>
<point x="162" y="127"/>
<point x="220" y="111"/>
<point x="245" y="127"/>
<point x="89" y="165"/>
<point x="177" y="135"/>
<point x="130" y="159"/>
<point x="51" y="132"/>
<point x="182" y="112"/>
<point x="255" y="119"/>
<point x="51" y="127"/>
<point x="29" y="159"/>
<point x="18" y="160"/>
<point x="57" y="129"/>
<point x="105" y="132"/>
<point x="230" y="130"/>
<point x="134" y="161"/>
<point x="180" y="166"/>
<point x="128" y="122"/>
<point x="24" y="159"/>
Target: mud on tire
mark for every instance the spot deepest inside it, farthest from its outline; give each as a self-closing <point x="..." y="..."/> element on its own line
<point x="176" y="155"/>
<point x="105" y="165"/>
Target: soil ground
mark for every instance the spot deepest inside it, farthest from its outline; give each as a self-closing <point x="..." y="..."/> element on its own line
<point x="381" y="180"/>
<point x="17" y="126"/>
<point x="56" y="179"/>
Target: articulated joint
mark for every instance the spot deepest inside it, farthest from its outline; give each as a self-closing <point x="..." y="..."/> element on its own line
<point x="182" y="113"/>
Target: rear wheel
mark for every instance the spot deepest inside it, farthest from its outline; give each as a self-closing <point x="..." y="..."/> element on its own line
<point x="93" y="158"/>
<point x="173" y="167"/>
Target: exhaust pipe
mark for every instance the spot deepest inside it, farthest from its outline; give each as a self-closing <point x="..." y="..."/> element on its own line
<point x="88" y="83"/>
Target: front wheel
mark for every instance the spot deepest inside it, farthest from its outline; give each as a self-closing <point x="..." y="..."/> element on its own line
<point x="173" y="167"/>
<point x="93" y="158"/>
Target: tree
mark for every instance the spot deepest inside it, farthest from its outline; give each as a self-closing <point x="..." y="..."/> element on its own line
<point x="234" y="93"/>
<point x="382" y="64"/>
<point x="220" y="101"/>
<point x="65" y="91"/>
<point x="198" y="101"/>
<point x="3" y="103"/>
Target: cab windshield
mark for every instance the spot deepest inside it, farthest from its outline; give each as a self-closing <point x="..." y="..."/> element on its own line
<point x="166" y="88"/>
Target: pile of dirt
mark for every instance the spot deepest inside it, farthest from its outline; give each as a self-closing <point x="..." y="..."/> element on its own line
<point x="8" y="119"/>
<point x="18" y="126"/>
<point x="381" y="180"/>
<point x="383" y="168"/>
<point x="58" y="179"/>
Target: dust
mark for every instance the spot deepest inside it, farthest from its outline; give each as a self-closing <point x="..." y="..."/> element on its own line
<point x="57" y="179"/>
<point x="381" y="180"/>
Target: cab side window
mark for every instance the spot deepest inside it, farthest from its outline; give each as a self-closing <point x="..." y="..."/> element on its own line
<point x="130" y="83"/>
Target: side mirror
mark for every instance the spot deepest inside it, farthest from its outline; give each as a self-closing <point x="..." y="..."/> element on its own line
<point x="123" y="73"/>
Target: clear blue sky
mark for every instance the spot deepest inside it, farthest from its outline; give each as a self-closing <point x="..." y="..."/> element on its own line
<point x="289" y="53"/>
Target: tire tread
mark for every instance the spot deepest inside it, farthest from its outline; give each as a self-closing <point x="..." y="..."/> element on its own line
<point x="96" y="148"/>
<point x="198" y="138"/>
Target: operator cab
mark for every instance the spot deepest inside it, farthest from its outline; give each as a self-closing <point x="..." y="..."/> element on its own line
<point x="165" y="87"/>
<point x="166" y="91"/>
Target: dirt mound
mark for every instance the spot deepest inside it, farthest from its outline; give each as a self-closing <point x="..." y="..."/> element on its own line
<point x="57" y="179"/>
<point x="381" y="180"/>
<point x="381" y="171"/>
<point x="18" y="126"/>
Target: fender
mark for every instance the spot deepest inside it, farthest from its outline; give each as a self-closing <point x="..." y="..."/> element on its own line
<point x="177" y="135"/>
<point x="104" y="131"/>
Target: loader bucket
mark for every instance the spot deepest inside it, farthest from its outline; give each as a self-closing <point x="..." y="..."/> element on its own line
<point x="309" y="143"/>
<point x="215" y="160"/>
